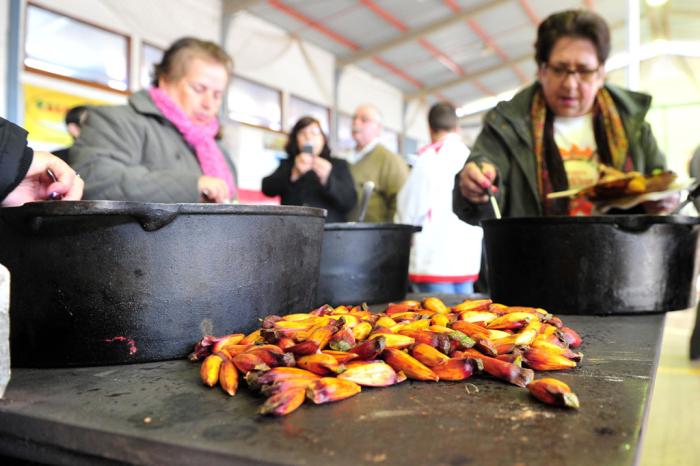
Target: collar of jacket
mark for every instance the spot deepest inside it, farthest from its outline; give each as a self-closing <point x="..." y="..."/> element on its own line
<point x="142" y="103"/>
<point x="633" y="108"/>
<point x="512" y="121"/>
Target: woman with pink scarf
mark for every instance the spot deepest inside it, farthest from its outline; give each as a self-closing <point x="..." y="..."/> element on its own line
<point x="163" y="145"/>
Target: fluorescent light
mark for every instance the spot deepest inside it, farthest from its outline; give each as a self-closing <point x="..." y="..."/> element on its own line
<point x="485" y="103"/>
<point x="656" y="3"/>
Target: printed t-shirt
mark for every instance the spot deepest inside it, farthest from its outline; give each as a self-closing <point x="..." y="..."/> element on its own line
<point x="576" y="142"/>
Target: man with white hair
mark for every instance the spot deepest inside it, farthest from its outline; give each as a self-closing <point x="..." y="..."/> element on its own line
<point x="374" y="162"/>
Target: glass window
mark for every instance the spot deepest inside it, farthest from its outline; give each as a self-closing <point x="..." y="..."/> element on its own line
<point x="345" y="144"/>
<point x="390" y="139"/>
<point x="255" y="104"/>
<point x="150" y="57"/>
<point x="299" y="107"/>
<point x="63" y="46"/>
<point x="410" y="150"/>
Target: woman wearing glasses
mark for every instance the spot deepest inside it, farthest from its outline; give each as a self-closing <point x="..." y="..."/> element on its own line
<point x="552" y="135"/>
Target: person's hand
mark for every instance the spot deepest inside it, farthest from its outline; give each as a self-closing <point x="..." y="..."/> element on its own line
<point x="322" y="168"/>
<point x="303" y="162"/>
<point x="662" y="206"/>
<point x="39" y="185"/>
<point x="475" y="181"/>
<point x="212" y="189"/>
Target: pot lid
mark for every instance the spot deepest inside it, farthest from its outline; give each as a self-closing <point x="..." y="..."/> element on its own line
<point x="358" y="226"/>
<point x="63" y="208"/>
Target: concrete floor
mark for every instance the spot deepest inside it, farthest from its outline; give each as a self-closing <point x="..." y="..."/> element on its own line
<point x="673" y="428"/>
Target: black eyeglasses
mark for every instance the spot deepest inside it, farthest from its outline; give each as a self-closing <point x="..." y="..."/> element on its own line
<point x="581" y="74"/>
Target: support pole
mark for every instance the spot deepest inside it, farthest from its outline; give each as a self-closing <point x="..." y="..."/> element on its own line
<point x="13" y="90"/>
<point x="633" y="39"/>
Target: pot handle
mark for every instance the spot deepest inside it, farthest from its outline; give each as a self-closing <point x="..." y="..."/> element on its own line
<point x="633" y="223"/>
<point x="152" y="219"/>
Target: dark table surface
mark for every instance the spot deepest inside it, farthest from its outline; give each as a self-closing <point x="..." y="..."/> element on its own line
<point x="160" y="413"/>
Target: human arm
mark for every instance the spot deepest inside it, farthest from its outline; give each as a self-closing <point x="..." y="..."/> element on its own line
<point x="652" y="156"/>
<point x="654" y="159"/>
<point x="487" y="165"/>
<point x="340" y="186"/>
<point x="305" y="162"/>
<point x="123" y="155"/>
<point x="39" y="185"/>
<point x="15" y="156"/>
<point x="213" y="189"/>
<point x="279" y="181"/>
<point x="24" y="175"/>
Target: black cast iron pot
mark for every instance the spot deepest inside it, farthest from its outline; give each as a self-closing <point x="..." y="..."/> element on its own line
<point x="98" y="282"/>
<point x="364" y="262"/>
<point x="593" y="265"/>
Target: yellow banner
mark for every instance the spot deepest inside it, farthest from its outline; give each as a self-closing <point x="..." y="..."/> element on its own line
<point x="45" y="110"/>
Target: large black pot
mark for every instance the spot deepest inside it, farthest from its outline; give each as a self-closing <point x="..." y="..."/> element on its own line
<point x="364" y="262"/>
<point x="593" y="265"/>
<point x="112" y="282"/>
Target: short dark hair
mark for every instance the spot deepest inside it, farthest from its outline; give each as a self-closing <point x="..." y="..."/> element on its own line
<point x="173" y="66"/>
<point x="572" y="23"/>
<point x="442" y="117"/>
<point x="292" y="147"/>
<point x="76" y="115"/>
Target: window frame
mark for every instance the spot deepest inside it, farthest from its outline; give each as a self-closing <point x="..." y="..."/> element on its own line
<point x="144" y="44"/>
<point x="227" y="109"/>
<point x="84" y="82"/>
<point x="289" y="105"/>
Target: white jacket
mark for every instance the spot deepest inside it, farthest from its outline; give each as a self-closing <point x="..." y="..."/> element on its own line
<point x="447" y="249"/>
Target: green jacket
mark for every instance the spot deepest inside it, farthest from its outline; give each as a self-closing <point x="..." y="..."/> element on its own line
<point x="389" y="172"/>
<point x="506" y="141"/>
<point x="133" y="153"/>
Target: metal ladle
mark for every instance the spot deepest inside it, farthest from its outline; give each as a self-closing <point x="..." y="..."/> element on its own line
<point x="494" y="202"/>
<point x="367" y="189"/>
<point x="693" y="192"/>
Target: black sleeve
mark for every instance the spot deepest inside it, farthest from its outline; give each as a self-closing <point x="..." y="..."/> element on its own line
<point x="340" y="189"/>
<point x="278" y="183"/>
<point x="15" y="156"/>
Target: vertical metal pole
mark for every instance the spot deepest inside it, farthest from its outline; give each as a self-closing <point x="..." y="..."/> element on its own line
<point x="633" y="38"/>
<point x="334" y="110"/>
<point x="226" y="18"/>
<point x="12" y="85"/>
<point x="402" y="135"/>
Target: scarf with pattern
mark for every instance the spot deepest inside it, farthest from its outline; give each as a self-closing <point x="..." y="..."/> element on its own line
<point x="611" y="141"/>
<point x="201" y="137"/>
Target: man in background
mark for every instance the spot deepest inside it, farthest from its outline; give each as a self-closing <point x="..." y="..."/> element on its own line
<point x="74" y="121"/>
<point x="446" y="254"/>
<point x="374" y="162"/>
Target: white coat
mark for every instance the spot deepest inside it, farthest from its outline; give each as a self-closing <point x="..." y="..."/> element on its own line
<point x="447" y="249"/>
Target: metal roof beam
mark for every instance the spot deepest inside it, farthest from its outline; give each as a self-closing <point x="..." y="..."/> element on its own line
<point x="417" y="33"/>
<point x="471" y="76"/>
<point x="468" y="77"/>
<point x="231" y="7"/>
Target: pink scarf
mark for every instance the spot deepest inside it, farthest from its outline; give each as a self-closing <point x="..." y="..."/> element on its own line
<point x="200" y="137"/>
